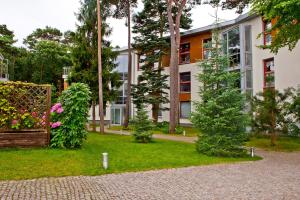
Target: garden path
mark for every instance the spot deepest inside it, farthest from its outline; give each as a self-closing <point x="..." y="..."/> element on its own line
<point x="277" y="176"/>
<point x="156" y="136"/>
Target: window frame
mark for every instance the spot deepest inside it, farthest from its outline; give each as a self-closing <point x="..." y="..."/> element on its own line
<point x="185" y="53"/>
<point x="265" y="34"/>
<point x="204" y="49"/>
<point x="180" y="110"/>
<point x="265" y="61"/>
<point x="185" y="82"/>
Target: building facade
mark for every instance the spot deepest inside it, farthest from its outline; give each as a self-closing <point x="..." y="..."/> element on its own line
<point x="258" y="67"/>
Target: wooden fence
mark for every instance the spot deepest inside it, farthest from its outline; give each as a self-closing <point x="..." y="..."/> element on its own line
<point x="24" y="114"/>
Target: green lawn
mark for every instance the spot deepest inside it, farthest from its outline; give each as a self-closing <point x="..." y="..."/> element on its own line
<point x="189" y="131"/>
<point x="124" y="156"/>
<point x="287" y="144"/>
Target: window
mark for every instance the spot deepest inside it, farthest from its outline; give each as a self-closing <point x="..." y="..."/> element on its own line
<point x="269" y="76"/>
<point x="185" y="109"/>
<point x="207" y="48"/>
<point x="267" y="27"/>
<point x="184" y="53"/>
<point x="231" y="41"/>
<point x="185" y="82"/>
<point x="248" y="59"/>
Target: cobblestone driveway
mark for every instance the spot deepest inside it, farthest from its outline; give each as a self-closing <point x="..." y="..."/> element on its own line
<point x="275" y="177"/>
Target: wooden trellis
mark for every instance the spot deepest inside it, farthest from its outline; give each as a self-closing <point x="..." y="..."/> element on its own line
<point x="25" y="114"/>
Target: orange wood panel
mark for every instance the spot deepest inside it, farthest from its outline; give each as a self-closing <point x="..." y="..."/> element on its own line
<point x="184" y="96"/>
<point x="196" y="47"/>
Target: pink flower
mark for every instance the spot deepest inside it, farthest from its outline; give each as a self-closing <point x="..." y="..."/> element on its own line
<point x="14" y="122"/>
<point x="34" y="114"/>
<point x="55" y="107"/>
<point x="59" y="110"/>
<point x="56" y="124"/>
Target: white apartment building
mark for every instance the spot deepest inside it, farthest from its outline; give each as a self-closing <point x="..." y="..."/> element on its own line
<point x="241" y="40"/>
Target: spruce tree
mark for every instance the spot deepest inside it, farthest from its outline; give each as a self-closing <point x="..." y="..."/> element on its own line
<point x="150" y="27"/>
<point x="220" y="114"/>
<point x="142" y="126"/>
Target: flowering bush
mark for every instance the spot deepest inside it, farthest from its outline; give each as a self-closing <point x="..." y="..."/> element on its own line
<point x="69" y="117"/>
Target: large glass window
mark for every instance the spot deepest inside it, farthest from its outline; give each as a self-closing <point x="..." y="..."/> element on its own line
<point x="269" y="75"/>
<point x="185" y="109"/>
<point x="122" y="68"/>
<point x="185" y="82"/>
<point x="231" y="41"/>
<point x="184" y="53"/>
<point x="248" y="58"/>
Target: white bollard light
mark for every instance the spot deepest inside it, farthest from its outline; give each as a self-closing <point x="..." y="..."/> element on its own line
<point x="184" y="133"/>
<point x="105" y="160"/>
<point x="252" y="152"/>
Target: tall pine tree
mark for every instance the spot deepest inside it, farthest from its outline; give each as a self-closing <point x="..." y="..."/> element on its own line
<point x="85" y="54"/>
<point x="150" y="27"/>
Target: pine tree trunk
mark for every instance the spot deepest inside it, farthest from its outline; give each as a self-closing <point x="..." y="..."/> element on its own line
<point x="174" y="94"/>
<point x="174" y="70"/>
<point x="155" y="111"/>
<point x="273" y="134"/>
<point x="94" y="115"/>
<point x="101" y="111"/>
<point x="128" y="101"/>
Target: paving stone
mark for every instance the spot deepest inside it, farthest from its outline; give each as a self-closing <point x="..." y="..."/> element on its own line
<point x="275" y="177"/>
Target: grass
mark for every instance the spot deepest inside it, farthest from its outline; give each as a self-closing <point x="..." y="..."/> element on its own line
<point x="287" y="144"/>
<point x="124" y="156"/>
<point x="189" y="131"/>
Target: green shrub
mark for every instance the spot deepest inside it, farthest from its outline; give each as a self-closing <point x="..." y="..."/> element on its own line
<point x="68" y="129"/>
<point x="179" y="130"/>
<point x="142" y="127"/>
<point x="220" y="145"/>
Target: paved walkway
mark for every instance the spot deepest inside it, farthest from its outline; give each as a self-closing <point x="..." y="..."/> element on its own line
<point x="157" y="136"/>
<point x="275" y="177"/>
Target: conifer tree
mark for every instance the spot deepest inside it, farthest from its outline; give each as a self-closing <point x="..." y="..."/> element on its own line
<point x="220" y="115"/>
<point x="85" y="58"/>
<point x="150" y="27"/>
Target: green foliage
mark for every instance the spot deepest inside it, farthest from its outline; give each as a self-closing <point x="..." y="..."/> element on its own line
<point x="75" y="102"/>
<point x="219" y="115"/>
<point x="179" y="130"/>
<point x="287" y="23"/>
<point x="294" y="114"/>
<point x="270" y="111"/>
<point x="48" y="59"/>
<point x="142" y="127"/>
<point x="46" y="34"/>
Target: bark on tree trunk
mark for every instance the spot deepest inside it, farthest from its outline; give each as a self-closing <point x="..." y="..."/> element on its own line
<point x="174" y="71"/>
<point x="155" y="110"/>
<point x="273" y="134"/>
<point x="101" y="111"/>
<point x="128" y="100"/>
<point x="94" y="115"/>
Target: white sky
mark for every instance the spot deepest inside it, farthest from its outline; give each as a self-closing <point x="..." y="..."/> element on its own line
<point x="24" y="16"/>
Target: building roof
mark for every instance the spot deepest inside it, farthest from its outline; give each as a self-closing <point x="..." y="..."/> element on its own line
<point x="239" y="19"/>
<point x="242" y="18"/>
